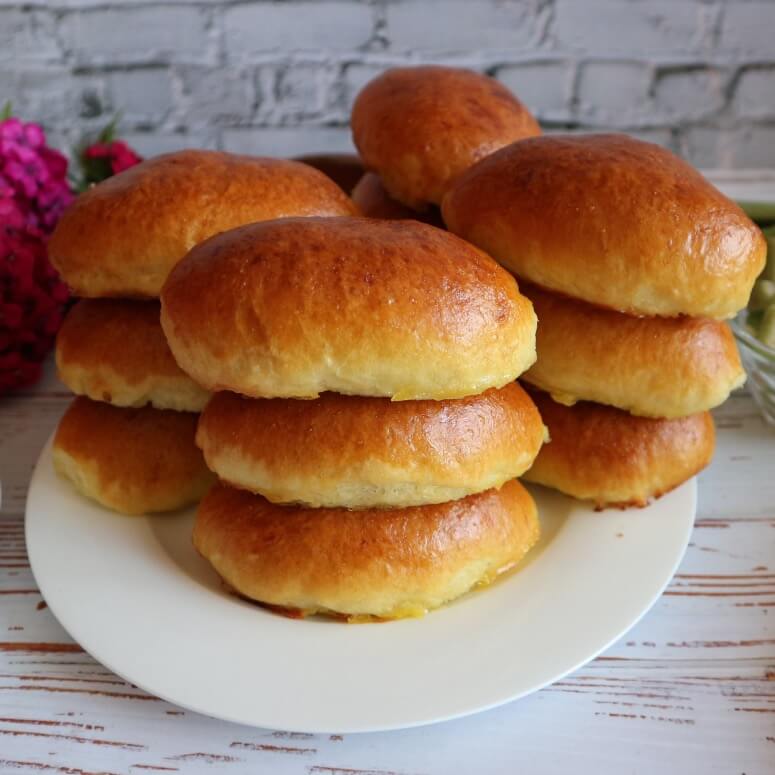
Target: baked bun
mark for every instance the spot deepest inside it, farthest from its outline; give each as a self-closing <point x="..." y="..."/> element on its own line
<point x="420" y="127"/>
<point x="114" y="350"/>
<point x="378" y="563"/>
<point x="656" y="367"/>
<point x="611" y="220"/>
<point x="131" y="460"/>
<point x="295" y="307"/>
<point x="373" y="201"/>
<point x="122" y="237"/>
<point x="369" y="452"/>
<point x="345" y="169"/>
<point x="605" y="455"/>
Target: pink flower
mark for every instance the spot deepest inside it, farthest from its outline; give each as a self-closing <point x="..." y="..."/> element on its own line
<point x="34" y="136"/>
<point x="31" y="306"/>
<point x="27" y="176"/>
<point x="6" y="189"/>
<point x="11" y="129"/>
<point x="11" y="215"/>
<point x="55" y="162"/>
<point x="32" y="174"/>
<point x="97" y="151"/>
<point x="123" y="157"/>
<point x="52" y="201"/>
<point x="14" y="131"/>
<point x="33" y="193"/>
<point x="117" y="153"/>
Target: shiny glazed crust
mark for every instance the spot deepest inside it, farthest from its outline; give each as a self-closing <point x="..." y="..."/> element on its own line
<point x="114" y="351"/>
<point x="386" y="563"/>
<point x="611" y="458"/>
<point x="122" y="237"/>
<point x="131" y="460"/>
<point x="650" y="366"/>
<point x="611" y="220"/>
<point x="296" y="307"/>
<point x="369" y="452"/>
<point x="420" y="127"/>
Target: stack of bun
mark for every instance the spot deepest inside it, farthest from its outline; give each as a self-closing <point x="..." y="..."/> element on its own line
<point x="356" y="377"/>
<point x="127" y="441"/>
<point x="632" y="260"/>
<point x="366" y="426"/>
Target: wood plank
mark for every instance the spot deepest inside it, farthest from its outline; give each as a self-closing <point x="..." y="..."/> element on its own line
<point x="669" y="708"/>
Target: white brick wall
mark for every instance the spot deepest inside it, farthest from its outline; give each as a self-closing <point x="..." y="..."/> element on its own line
<point x="465" y="26"/>
<point x="254" y="29"/>
<point x="629" y="28"/>
<point x="132" y="34"/>
<point x="279" y="76"/>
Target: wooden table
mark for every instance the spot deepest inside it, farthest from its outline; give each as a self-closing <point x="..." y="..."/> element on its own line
<point x="691" y="689"/>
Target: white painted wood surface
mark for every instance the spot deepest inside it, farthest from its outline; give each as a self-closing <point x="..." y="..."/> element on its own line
<point x="691" y="689"/>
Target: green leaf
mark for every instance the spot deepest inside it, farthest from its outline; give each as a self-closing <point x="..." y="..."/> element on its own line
<point x="760" y="212"/>
<point x="91" y="171"/>
<point x="6" y="111"/>
<point x="108" y="134"/>
<point x="767" y="327"/>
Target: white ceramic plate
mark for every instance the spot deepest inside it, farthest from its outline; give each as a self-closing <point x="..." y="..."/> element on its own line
<point x="135" y="595"/>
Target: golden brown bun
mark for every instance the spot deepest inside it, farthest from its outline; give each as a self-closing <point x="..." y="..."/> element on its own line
<point x="388" y="563"/>
<point x="656" y="367"/>
<point x="345" y="169"/>
<point x="374" y="202"/>
<point x="605" y="455"/>
<point x="122" y="237"/>
<point x="370" y="452"/>
<point x="115" y="351"/>
<point x="420" y="127"/>
<point x="131" y="460"/>
<point x="611" y="220"/>
<point x="296" y="307"/>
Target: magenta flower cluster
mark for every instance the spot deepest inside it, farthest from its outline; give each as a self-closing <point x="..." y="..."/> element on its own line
<point x="33" y="194"/>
